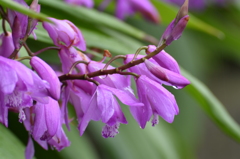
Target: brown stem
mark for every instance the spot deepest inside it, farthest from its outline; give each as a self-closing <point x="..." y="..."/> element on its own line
<point x="75" y="64"/>
<point x="138" y="51"/>
<point x="112" y="71"/>
<point x="113" y="59"/>
<point x="13" y="55"/>
<point x="129" y="73"/>
<point x="27" y="49"/>
<point x="45" y="49"/>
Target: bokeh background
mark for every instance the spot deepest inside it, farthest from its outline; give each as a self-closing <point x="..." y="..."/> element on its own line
<point x="209" y="49"/>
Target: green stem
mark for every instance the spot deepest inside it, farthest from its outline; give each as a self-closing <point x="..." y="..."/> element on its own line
<point x="45" y="49"/>
<point x="30" y="53"/>
<point x="23" y="58"/>
<point x="113" y="59"/>
<point x="138" y="51"/>
<point x="75" y="64"/>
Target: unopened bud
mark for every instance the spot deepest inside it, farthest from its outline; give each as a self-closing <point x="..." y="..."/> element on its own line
<point x="6" y="46"/>
<point x="47" y="73"/>
<point x="156" y="70"/>
<point x="183" y="11"/>
<point x="176" y="27"/>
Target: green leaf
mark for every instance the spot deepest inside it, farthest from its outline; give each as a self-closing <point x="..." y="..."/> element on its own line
<point x="10" y="146"/>
<point x="162" y="141"/>
<point x="115" y="42"/>
<point x="213" y="107"/>
<point x="168" y="13"/>
<point x="81" y="147"/>
<point x="94" y="17"/>
<point x="18" y="7"/>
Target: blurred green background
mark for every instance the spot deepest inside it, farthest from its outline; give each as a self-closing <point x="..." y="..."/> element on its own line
<point x="209" y="49"/>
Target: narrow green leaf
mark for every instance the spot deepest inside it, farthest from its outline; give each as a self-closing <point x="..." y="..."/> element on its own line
<point x="94" y="17"/>
<point x="213" y="107"/>
<point x="10" y="146"/>
<point x="81" y="147"/>
<point x="117" y="45"/>
<point x="169" y="12"/>
<point x="17" y="7"/>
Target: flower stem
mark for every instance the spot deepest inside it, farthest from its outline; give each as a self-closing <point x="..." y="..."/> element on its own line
<point x="112" y="71"/>
<point x="13" y="55"/>
<point x="138" y="51"/>
<point x="45" y="49"/>
<point x="23" y="58"/>
<point x="27" y="49"/>
<point x="91" y="80"/>
<point x="75" y="64"/>
<point x="113" y="59"/>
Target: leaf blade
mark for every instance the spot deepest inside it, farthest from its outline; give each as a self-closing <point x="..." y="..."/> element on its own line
<point x="19" y="8"/>
<point x="213" y="107"/>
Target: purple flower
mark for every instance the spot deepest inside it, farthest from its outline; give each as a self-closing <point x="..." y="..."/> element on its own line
<point x="103" y="106"/>
<point x="19" y="86"/>
<point x="168" y="77"/>
<point x="166" y="69"/>
<point x="7" y="47"/>
<point x="165" y="72"/>
<point x="48" y="74"/>
<point x="19" y="22"/>
<point x="157" y="102"/>
<point x="59" y="141"/>
<point x="174" y="31"/>
<point x="68" y="56"/>
<point x="176" y="27"/>
<point x="43" y="121"/>
<point x="47" y="120"/>
<point x="77" y="92"/>
<point x="116" y="80"/>
<point x="164" y="59"/>
<point x="86" y="3"/>
<point x="141" y="69"/>
<point x="29" y="151"/>
<point x="65" y="33"/>
<point x="129" y="7"/>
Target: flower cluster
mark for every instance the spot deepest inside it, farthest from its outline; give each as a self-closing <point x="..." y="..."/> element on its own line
<point x="91" y="87"/>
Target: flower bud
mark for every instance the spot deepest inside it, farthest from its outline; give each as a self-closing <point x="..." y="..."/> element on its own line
<point x="170" y="77"/>
<point x="48" y="74"/>
<point x="6" y="47"/>
<point x="164" y="59"/>
<point x="65" y="33"/>
<point x="176" y="27"/>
